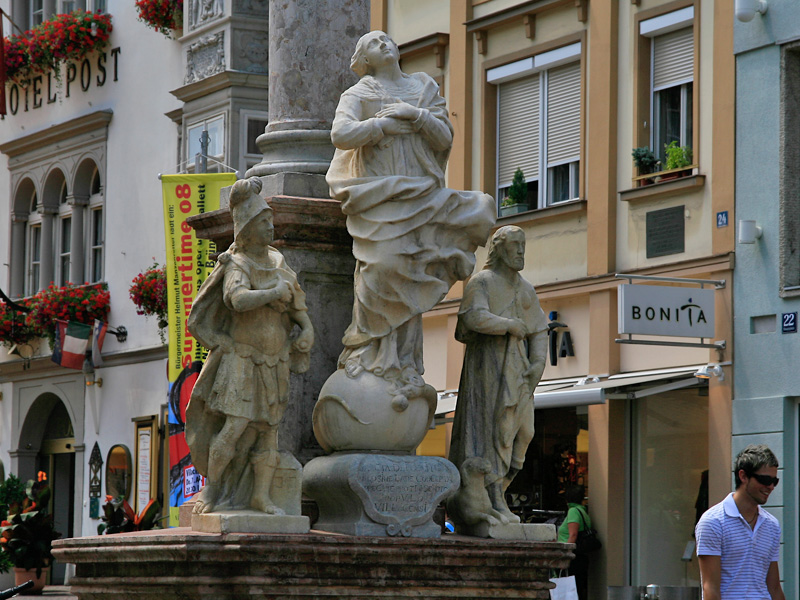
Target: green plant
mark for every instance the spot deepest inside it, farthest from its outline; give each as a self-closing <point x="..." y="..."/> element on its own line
<point x="161" y="15"/>
<point x="678" y="157"/>
<point x="12" y="491"/>
<point x="82" y="303"/>
<point x="28" y="533"/>
<point x="518" y="191"/>
<point x="148" y="292"/>
<point x="118" y="517"/>
<point x="65" y="37"/>
<point x="645" y="160"/>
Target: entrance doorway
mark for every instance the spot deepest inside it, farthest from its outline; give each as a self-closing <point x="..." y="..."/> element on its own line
<point x="56" y="459"/>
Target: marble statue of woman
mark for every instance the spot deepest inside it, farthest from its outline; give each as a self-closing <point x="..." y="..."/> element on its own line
<point x="413" y="237"/>
<point x="505" y="332"/>
<point x="244" y="314"/>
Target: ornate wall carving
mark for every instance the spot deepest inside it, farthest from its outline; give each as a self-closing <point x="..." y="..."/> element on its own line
<point x="205" y="57"/>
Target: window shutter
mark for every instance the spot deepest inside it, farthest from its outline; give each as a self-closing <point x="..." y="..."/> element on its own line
<point x="518" y="129"/>
<point x="673" y="59"/>
<point x="564" y="114"/>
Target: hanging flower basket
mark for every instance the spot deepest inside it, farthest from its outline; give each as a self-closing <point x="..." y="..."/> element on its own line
<point x="66" y="37"/>
<point x="162" y="15"/>
<point x="81" y="303"/>
<point x="13" y="329"/>
<point x="149" y="293"/>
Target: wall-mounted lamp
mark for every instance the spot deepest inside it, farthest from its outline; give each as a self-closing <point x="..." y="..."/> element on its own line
<point x="709" y="371"/>
<point x="747" y="9"/>
<point x="89" y="375"/>
<point x="749" y="232"/>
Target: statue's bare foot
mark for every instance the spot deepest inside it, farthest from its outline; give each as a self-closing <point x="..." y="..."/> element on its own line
<point x="266" y="506"/>
<point x="510" y="517"/>
<point x="206" y="499"/>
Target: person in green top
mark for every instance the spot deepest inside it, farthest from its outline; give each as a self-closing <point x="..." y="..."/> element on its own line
<point x="577" y="520"/>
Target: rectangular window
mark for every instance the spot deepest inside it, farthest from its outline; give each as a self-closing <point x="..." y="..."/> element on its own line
<point x="97" y="239"/>
<point x="37" y="12"/>
<point x="253" y="125"/>
<point x="67" y="6"/>
<point x="665" y="101"/>
<point x="34" y="258"/>
<point x="672" y="85"/>
<point x="216" y="143"/>
<point x="539" y="127"/>
<point x="64" y="250"/>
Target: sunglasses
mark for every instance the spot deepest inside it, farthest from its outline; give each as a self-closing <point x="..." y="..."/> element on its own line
<point x="765" y="479"/>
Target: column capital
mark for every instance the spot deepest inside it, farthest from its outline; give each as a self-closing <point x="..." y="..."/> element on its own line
<point x="19" y="218"/>
<point x="46" y="210"/>
<point x="77" y="200"/>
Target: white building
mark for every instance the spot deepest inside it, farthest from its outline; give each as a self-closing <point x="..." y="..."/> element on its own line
<point x="80" y="200"/>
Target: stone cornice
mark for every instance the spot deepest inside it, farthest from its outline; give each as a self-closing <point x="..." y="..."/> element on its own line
<point x="42" y="366"/>
<point x="56" y="133"/>
<point x="220" y="81"/>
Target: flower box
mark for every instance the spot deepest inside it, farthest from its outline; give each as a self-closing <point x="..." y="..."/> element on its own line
<point x="81" y="303"/>
<point x="513" y="209"/>
<point x="66" y="37"/>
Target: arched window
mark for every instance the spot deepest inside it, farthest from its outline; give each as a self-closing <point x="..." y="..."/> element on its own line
<point x="96" y="237"/>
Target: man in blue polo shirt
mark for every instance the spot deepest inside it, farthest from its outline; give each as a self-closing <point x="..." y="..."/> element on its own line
<point x="738" y="542"/>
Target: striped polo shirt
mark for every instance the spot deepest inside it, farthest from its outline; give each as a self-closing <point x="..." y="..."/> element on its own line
<point x="745" y="553"/>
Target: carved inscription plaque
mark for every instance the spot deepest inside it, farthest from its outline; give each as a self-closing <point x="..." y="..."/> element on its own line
<point x="402" y="491"/>
<point x="665" y="231"/>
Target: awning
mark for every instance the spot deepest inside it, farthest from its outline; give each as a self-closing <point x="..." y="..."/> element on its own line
<point x="588" y="390"/>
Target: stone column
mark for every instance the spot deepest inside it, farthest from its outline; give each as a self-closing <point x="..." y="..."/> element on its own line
<point x="76" y="248"/>
<point x="17" y="280"/>
<point x="310" y="44"/>
<point x="47" y="256"/>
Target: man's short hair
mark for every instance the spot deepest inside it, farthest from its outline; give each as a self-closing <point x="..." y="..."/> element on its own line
<point x="751" y="459"/>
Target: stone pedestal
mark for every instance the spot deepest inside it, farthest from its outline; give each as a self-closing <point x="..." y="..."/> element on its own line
<point x="178" y="563"/>
<point x="534" y="532"/>
<point x="379" y="494"/>
<point x="250" y="521"/>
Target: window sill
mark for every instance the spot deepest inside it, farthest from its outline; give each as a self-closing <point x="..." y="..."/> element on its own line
<point x="568" y="208"/>
<point x="664" y="189"/>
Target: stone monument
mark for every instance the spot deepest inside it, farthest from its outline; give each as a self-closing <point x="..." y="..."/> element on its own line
<point x="505" y="332"/>
<point x="245" y="314"/>
<point x="413" y="238"/>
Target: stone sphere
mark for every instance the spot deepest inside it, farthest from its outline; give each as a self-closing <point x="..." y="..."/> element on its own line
<point x="366" y="413"/>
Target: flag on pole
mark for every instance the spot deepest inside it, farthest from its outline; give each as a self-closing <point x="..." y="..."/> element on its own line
<point x="98" y="337"/>
<point x="72" y="341"/>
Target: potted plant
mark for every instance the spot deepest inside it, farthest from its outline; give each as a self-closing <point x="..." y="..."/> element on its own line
<point x="165" y="16"/>
<point x="646" y="162"/>
<point x="148" y="292"/>
<point x="678" y="157"/>
<point x="65" y="37"/>
<point x="13" y="329"/>
<point x="118" y="517"/>
<point x="28" y="533"/>
<point x="515" y="201"/>
<point x="81" y="303"/>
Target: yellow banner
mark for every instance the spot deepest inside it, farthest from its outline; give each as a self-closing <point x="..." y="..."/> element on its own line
<point x="188" y="262"/>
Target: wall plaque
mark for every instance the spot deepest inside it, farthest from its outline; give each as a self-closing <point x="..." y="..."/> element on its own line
<point x="665" y="232"/>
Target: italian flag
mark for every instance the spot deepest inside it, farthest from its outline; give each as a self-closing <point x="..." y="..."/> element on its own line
<point x="72" y="341"/>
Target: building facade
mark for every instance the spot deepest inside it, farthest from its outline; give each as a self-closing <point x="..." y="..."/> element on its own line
<point x="767" y="288"/>
<point x="565" y="91"/>
<point x="82" y="202"/>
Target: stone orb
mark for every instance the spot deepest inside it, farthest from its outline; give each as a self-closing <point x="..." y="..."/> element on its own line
<point x="366" y="413"/>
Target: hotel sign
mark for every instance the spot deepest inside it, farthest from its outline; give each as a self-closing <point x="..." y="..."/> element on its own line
<point x="662" y="310"/>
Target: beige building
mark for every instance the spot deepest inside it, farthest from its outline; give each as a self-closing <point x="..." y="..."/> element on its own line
<point x="565" y="90"/>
